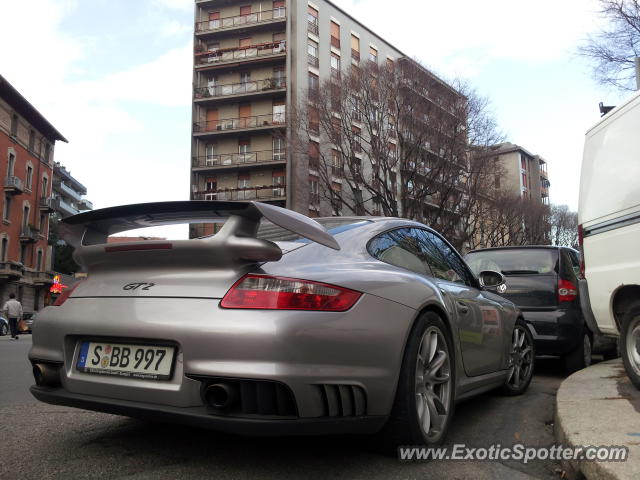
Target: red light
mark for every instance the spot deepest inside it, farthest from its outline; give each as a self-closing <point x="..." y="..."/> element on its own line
<point x="567" y="291"/>
<point x="281" y="293"/>
<point x="66" y="294"/>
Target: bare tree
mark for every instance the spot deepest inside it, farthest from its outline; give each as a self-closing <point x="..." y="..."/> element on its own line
<point x="564" y="226"/>
<point x="396" y="141"/>
<point x="614" y="49"/>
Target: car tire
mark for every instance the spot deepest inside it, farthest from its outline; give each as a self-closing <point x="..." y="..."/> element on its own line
<point x="580" y="357"/>
<point x="522" y="360"/>
<point x="4" y="330"/>
<point x="629" y="338"/>
<point x="424" y="400"/>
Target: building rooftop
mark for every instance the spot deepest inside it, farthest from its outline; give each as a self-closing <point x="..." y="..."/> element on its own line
<point x="28" y="111"/>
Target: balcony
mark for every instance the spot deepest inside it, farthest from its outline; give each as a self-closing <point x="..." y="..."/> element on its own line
<point x="29" y="234"/>
<point x="13" y="185"/>
<point x="313" y="60"/>
<point x="47" y="204"/>
<point x="11" y="270"/>
<point x="223" y="56"/>
<point x="262" y="122"/>
<point x="355" y="55"/>
<point x="65" y="208"/>
<point x="312" y="27"/>
<point x="67" y="190"/>
<point x="239" y="159"/>
<point x="241" y="21"/>
<point x="85" y="204"/>
<point x="265" y="192"/>
<point x="42" y="278"/>
<point x="244" y="89"/>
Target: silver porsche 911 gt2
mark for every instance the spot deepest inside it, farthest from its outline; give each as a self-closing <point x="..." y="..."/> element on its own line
<point x="278" y="324"/>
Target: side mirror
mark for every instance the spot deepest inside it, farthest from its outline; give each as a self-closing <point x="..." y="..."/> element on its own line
<point x="491" y="279"/>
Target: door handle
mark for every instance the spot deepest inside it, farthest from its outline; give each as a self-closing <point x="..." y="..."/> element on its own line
<point x="462" y="307"/>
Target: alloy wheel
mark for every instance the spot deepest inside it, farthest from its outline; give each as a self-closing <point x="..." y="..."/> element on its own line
<point x="521" y="362"/>
<point x="633" y="344"/>
<point x="433" y="383"/>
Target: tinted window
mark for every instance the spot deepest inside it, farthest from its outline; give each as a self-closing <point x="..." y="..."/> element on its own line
<point x="400" y="248"/>
<point x="445" y="262"/>
<point x="514" y="261"/>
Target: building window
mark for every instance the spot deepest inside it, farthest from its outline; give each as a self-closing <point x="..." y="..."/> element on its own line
<point x="314" y="84"/>
<point x="524" y="180"/>
<point x="210" y="184"/>
<point x="278" y="179"/>
<point x="11" y="164"/>
<point x="6" y="211"/>
<point x="42" y="223"/>
<point x="4" y="249"/>
<point x="496" y="182"/>
<point x="45" y="185"/>
<point x="279" y="39"/>
<point x="25" y="217"/>
<point x="245" y="77"/>
<point x="314" y="190"/>
<point x="357" y="146"/>
<point x="279" y="150"/>
<point x="14" y="125"/>
<point x="47" y="152"/>
<point x="335" y="35"/>
<point x="279" y="79"/>
<point x="336" y="201"/>
<point x="314" y="120"/>
<point x="355" y="48"/>
<point x="245" y="11"/>
<point x="29" y="177"/>
<point x="279" y="112"/>
<point x="373" y="55"/>
<point x="336" y="163"/>
<point x="278" y="9"/>
<point x="335" y="65"/>
<point x="214" y="20"/>
<point x="32" y="140"/>
<point x="39" y="261"/>
<point x="314" y="155"/>
<point x="390" y="63"/>
<point x="23" y="253"/>
<point x="244" y="182"/>
<point x="312" y="53"/>
<point x="312" y="20"/>
<point x="523" y="162"/>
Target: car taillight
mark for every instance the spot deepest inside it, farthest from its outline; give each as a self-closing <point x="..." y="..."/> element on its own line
<point x="282" y="293"/>
<point x="65" y="294"/>
<point x="581" y="247"/>
<point x="567" y="291"/>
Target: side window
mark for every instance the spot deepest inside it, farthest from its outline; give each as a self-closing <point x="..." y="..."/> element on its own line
<point x="400" y="248"/>
<point x="569" y="268"/>
<point x="444" y="261"/>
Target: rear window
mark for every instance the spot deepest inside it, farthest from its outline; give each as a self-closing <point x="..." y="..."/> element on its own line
<point x="274" y="233"/>
<point x="539" y="261"/>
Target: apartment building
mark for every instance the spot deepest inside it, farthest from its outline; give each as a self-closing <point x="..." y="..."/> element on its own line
<point x="524" y="173"/>
<point x="255" y="61"/>
<point x="27" y="142"/>
<point x="68" y="193"/>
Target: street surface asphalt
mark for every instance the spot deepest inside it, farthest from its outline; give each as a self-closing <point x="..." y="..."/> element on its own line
<point x="40" y="441"/>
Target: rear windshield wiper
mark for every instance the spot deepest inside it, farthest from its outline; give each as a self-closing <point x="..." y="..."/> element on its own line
<point x="518" y="272"/>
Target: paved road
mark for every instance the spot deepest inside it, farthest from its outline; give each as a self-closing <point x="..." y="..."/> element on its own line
<point x="44" y="441"/>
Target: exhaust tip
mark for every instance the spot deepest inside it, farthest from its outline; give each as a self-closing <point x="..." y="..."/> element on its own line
<point x="46" y="375"/>
<point x="220" y="395"/>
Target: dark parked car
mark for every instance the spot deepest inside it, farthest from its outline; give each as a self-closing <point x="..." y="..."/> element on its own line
<point x="4" y="326"/>
<point x="543" y="282"/>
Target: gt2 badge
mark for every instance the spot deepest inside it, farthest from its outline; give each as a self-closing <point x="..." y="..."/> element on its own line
<point x="136" y="286"/>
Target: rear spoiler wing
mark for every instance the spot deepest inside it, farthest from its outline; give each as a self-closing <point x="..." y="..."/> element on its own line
<point x="241" y="221"/>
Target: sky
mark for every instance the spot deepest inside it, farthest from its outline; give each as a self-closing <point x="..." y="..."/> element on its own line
<point x="114" y="77"/>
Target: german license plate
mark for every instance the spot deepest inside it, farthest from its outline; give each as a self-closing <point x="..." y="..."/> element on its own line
<point x="152" y="362"/>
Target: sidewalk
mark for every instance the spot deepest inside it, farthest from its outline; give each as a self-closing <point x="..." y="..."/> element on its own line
<point x="599" y="406"/>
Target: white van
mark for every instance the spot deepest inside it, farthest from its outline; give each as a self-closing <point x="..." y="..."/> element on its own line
<point x="609" y="218"/>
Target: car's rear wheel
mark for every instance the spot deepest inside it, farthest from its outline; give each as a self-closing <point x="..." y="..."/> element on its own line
<point x="580" y="357"/>
<point x="630" y="343"/>
<point x="521" y="361"/>
<point x="424" y="400"/>
<point x="4" y="330"/>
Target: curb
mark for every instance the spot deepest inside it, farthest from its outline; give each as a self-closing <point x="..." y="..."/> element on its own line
<point x="598" y="406"/>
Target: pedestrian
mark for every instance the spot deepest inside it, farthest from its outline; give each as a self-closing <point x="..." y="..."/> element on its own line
<point x="13" y="310"/>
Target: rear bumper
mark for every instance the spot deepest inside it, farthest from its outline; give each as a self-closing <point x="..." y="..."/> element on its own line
<point x="555" y="332"/>
<point x="200" y="417"/>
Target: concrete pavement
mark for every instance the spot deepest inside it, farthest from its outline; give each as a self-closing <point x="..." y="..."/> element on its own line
<point x="599" y="406"/>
